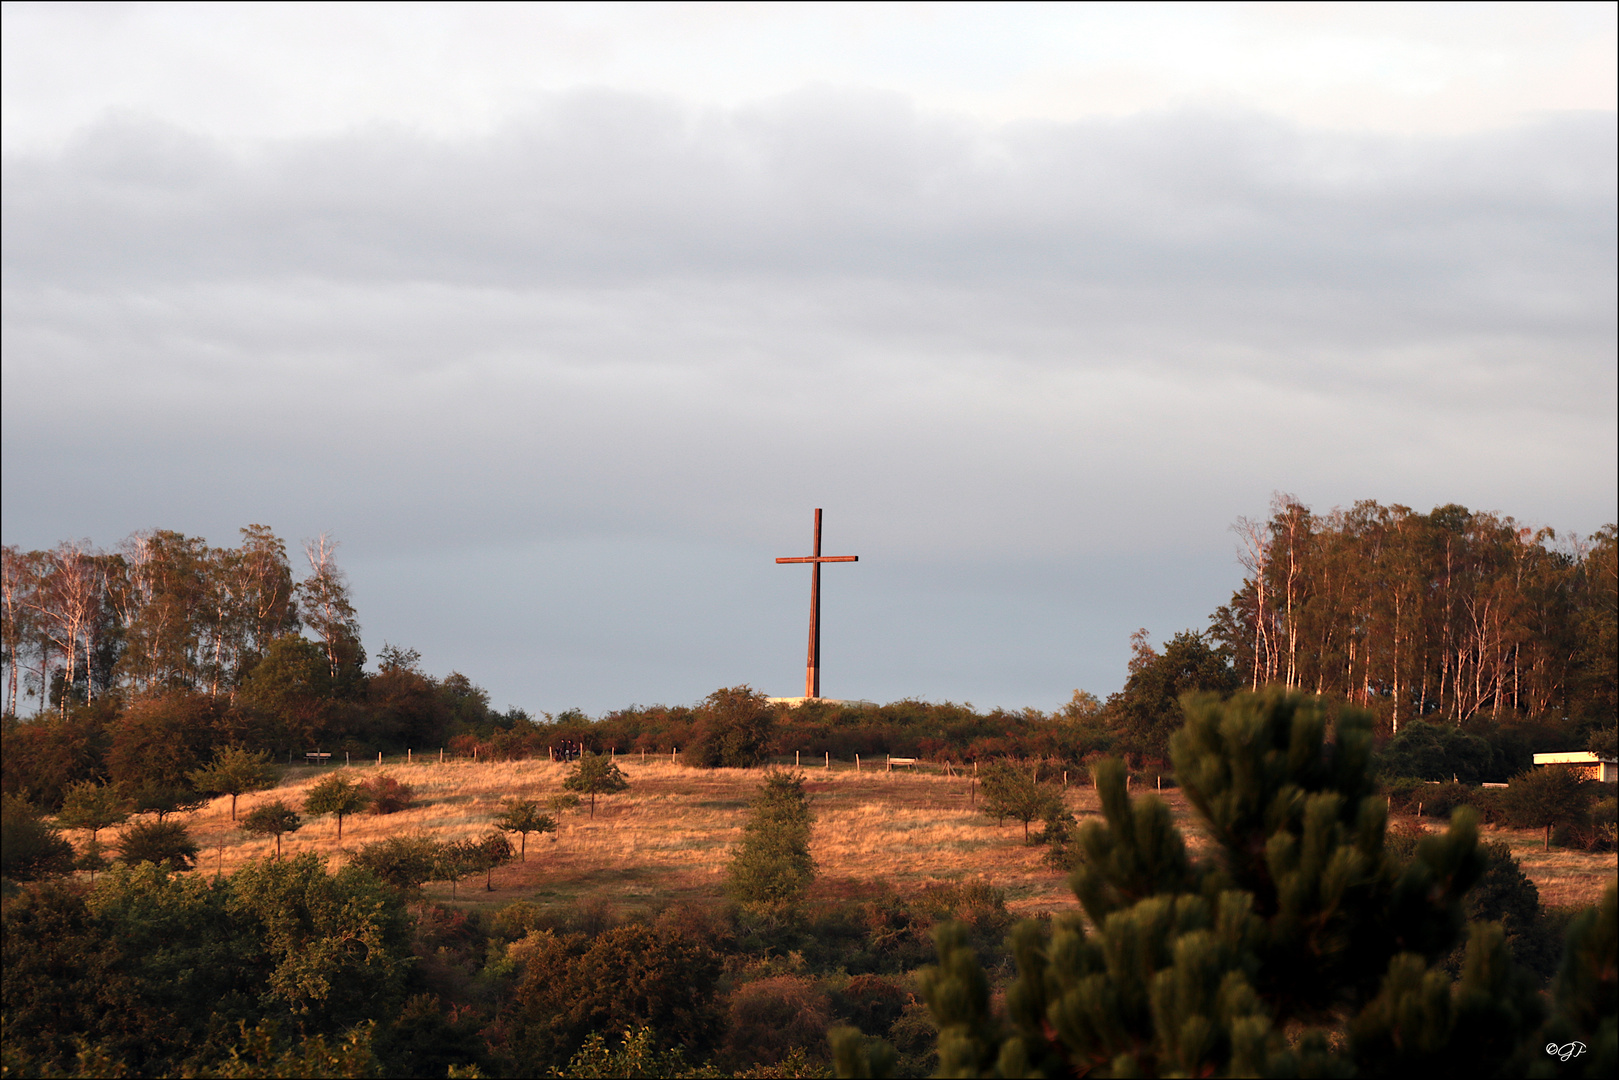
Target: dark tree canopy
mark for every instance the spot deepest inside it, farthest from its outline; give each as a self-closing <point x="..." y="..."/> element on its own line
<point x="165" y="843"/>
<point x="30" y="847"/>
<point x="733" y="729"/>
<point x="1148" y="709"/>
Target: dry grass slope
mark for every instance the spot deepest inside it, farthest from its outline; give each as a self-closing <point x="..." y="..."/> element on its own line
<point x="667" y="838"/>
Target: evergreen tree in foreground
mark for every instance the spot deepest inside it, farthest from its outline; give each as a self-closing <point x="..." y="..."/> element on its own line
<point x="1302" y="948"/>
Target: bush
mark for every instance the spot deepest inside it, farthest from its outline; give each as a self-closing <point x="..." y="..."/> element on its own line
<point x="403" y="862"/>
<point x="387" y="794"/>
<point x="733" y="729"/>
<point x="770" y="1017"/>
<point x="872" y="1003"/>
<point x="1436" y="752"/>
<point x="1505" y="894"/>
<point x="625" y="978"/>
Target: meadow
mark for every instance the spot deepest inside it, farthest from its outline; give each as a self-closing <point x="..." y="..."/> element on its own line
<point x="667" y="838"/>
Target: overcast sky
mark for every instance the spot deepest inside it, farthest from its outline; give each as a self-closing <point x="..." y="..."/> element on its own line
<point x="563" y="319"/>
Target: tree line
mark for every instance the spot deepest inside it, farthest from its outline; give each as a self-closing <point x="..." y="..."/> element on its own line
<point x="1450" y="615"/>
<point x="164" y="611"/>
<point x="144" y="660"/>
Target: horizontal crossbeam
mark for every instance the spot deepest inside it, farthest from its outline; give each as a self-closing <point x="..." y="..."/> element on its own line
<point x="822" y="558"/>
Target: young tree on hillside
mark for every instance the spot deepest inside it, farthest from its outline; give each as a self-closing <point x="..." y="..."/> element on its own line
<point x="92" y="807"/>
<point x="235" y="772"/>
<point x="454" y="860"/>
<point x="773" y="865"/>
<point x="339" y="796"/>
<point x="488" y="853"/>
<point x="595" y="774"/>
<point x="1011" y="792"/>
<point x="523" y="816"/>
<point x="1302" y="947"/>
<point x="1546" y="796"/>
<point x="272" y="819"/>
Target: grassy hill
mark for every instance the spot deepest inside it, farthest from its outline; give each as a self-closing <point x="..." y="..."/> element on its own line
<point x="667" y="838"/>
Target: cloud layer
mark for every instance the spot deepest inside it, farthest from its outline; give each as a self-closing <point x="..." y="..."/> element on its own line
<point x="1031" y="369"/>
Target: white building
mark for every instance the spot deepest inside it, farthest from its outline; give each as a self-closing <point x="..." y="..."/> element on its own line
<point x="1591" y="766"/>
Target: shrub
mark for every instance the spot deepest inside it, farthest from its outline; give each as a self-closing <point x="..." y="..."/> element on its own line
<point x="733" y="729"/>
<point x="622" y="979"/>
<point x="1505" y="894"/>
<point x="388" y="794"/>
<point x="872" y="1003"/>
<point x="404" y="862"/>
<point x="1436" y="752"/>
<point x="770" y="1017"/>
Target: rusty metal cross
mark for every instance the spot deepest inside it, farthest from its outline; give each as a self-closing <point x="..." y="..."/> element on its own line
<point x="812" y="669"/>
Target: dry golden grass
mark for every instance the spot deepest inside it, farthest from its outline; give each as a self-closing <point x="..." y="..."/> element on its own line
<point x="668" y="837"/>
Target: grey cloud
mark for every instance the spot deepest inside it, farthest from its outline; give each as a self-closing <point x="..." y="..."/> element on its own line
<point x="619" y="326"/>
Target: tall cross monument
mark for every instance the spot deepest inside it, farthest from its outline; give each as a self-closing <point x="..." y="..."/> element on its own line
<point x="812" y="668"/>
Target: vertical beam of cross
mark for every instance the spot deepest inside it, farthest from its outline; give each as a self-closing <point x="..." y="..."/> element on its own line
<point x="812" y="667"/>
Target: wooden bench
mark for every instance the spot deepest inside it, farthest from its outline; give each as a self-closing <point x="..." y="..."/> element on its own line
<point x="317" y="759"/>
<point x="902" y="762"/>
